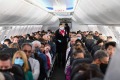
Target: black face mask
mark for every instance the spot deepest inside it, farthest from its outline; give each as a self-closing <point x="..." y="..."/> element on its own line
<point x="6" y="70"/>
<point x="103" y="67"/>
<point x="37" y="48"/>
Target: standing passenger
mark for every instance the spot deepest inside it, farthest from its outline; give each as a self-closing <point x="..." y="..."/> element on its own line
<point x="61" y="44"/>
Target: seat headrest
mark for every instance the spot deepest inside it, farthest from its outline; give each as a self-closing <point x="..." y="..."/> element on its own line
<point x="85" y="60"/>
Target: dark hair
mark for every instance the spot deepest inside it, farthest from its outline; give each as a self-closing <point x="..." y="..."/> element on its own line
<point x="46" y="44"/>
<point x="43" y="43"/>
<point x="86" y="72"/>
<point x="99" y="54"/>
<point x="91" y="73"/>
<point x="79" y="67"/>
<point x="79" y="32"/>
<point x="5" y="56"/>
<point x="31" y="37"/>
<point x="79" y="47"/>
<point x="7" y="40"/>
<point x="60" y="24"/>
<point x="75" y="52"/>
<point x="24" y="44"/>
<point x="16" y="37"/>
<point x="66" y="24"/>
<point x="73" y="32"/>
<point x="109" y="36"/>
<point x="28" y="35"/>
<point x="99" y="41"/>
<point x="78" y="40"/>
<point x="112" y="43"/>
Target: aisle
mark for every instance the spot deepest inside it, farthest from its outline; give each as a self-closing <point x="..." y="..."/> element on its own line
<point x="58" y="74"/>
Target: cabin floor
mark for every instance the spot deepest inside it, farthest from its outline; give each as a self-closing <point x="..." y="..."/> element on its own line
<point x="58" y="73"/>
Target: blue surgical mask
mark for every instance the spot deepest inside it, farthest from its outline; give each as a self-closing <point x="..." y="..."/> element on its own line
<point x="79" y="38"/>
<point x="19" y="61"/>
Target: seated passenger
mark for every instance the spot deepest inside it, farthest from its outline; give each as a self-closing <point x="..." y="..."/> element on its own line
<point x="47" y="52"/>
<point x="79" y="36"/>
<point x="47" y="39"/>
<point x="37" y="36"/>
<point x="86" y="73"/>
<point x="100" y="59"/>
<point x="34" y="64"/>
<point x="72" y="41"/>
<point x="14" y="45"/>
<point x="90" y="42"/>
<point x="15" y="39"/>
<point x="21" y="59"/>
<point x="79" y="42"/>
<point x="109" y="38"/>
<point x="5" y="62"/>
<point x="76" y="47"/>
<point x="7" y="42"/>
<point x="98" y="46"/>
<point x="70" y="45"/>
<point x="36" y="46"/>
<point x="110" y="48"/>
<point x="96" y="35"/>
<point x="41" y="57"/>
<point x="77" y="54"/>
<point x="6" y="66"/>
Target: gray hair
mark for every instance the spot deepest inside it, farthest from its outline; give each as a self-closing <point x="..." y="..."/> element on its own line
<point x="24" y="44"/>
<point x="99" y="54"/>
<point x="36" y="42"/>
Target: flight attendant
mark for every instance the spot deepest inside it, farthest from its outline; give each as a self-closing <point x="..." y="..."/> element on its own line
<point x="61" y="39"/>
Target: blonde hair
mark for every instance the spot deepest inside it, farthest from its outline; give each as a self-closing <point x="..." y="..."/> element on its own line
<point x="24" y="57"/>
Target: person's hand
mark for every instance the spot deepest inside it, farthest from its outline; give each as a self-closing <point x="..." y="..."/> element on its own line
<point x="59" y="41"/>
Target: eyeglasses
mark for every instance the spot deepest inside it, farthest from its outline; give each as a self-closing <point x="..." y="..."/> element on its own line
<point x="19" y="57"/>
<point x="27" y="51"/>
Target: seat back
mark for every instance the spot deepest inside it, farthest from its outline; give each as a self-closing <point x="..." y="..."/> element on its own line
<point x="77" y="61"/>
<point x="11" y="51"/>
<point x="75" y="69"/>
<point x="8" y="76"/>
<point x="76" y="76"/>
<point x="18" y="72"/>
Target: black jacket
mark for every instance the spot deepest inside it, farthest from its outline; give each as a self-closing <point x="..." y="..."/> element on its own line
<point x="61" y="41"/>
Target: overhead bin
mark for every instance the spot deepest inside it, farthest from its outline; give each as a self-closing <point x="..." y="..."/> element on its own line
<point x="97" y="12"/>
<point x="22" y="12"/>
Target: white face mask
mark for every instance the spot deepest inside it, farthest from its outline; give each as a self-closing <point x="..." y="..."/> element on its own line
<point x="62" y="28"/>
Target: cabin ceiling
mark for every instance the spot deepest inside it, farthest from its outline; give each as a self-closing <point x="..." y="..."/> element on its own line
<point x="81" y="11"/>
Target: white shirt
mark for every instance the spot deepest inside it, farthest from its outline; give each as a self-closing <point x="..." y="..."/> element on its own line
<point x="35" y="67"/>
<point x="67" y="52"/>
